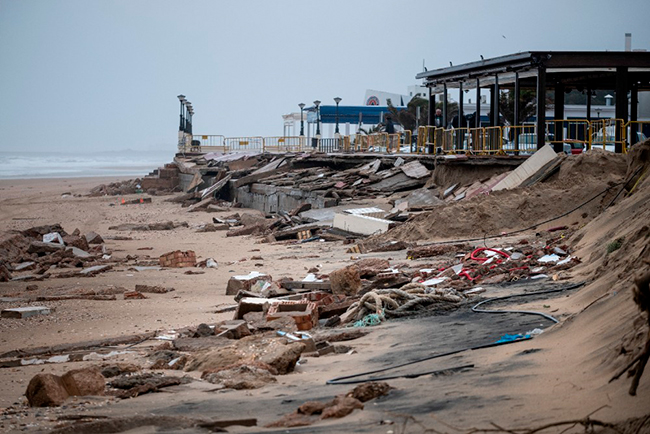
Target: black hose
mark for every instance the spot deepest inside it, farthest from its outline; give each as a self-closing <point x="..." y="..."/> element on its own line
<point x="351" y="379"/>
<point x="528" y="312"/>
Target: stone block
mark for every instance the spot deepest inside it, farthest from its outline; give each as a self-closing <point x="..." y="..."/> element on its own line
<point x="41" y="248"/>
<point x="361" y="224"/>
<point x="346" y="281"/>
<point x="250" y="304"/>
<point x="83" y="382"/>
<point x="244" y="283"/>
<point x="46" y="390"/>
<point x="234" y="329"/>
<point x="94" y="238"/>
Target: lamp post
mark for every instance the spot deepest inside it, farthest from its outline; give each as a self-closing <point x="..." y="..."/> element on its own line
<point x="337" y="100"/>
<point x="191" y="112"/>
<point x="188" y="118"/>
<point x="317" y="104"/>
<point x="181" y="98"/>
<point x="302" y="123"/>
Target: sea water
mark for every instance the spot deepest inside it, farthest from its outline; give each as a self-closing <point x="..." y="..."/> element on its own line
<point x="25" y="165"/>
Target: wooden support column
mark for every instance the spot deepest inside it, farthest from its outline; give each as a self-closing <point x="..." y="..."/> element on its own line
<point x="621" y="104"/>
<point x="541" y="106"/>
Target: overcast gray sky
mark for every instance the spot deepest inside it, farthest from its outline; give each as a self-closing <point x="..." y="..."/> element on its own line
<point x="104" y="74"/>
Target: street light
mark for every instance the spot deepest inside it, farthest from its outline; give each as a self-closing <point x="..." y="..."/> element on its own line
<point x="317" y="104"/>
<point x="181" y="98"/>
<point x="191" y="112"/>
<point x="337" y="100"/>
<point x="188" y="120"/>
<point x="302" y="124"/>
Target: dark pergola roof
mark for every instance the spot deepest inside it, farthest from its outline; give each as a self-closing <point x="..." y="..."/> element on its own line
<point x="573" y="69"/>
<point x="562" y="71"/>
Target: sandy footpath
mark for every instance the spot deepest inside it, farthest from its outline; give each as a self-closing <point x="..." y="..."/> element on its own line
<point x="558" y="375"/>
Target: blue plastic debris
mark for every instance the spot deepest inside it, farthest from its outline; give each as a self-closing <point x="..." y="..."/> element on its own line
<point x="512" y="338"/>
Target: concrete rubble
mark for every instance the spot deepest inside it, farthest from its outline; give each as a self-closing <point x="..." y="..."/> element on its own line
<point x="273" y="326"/>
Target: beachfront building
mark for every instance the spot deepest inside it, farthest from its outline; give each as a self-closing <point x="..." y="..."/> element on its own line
<point x="627" y="73"/>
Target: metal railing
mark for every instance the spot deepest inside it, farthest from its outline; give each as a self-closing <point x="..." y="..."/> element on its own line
<point x="208" y="143"/>
<point x="244" y="144"/>
<point x="286" y="144"/>
<point x="608" y="134"/>
<point x="330" y="145"/>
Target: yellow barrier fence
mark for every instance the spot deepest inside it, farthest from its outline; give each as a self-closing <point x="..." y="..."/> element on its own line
<point x="423" y="135"/>
<point x="634" y="132"/>
<point x="603" y="134"/>
<point x="244" y="144"/>
<point x="207" y="143"/>
<point x="286" y="144"/>
<point x="519" y="139"/>
<point x="609" y="134"/>
<point x="573" y="132"/>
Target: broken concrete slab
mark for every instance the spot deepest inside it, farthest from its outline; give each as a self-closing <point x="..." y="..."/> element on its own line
<point x="396" y="183"/>
<point x="415" y="169"/>
<point x="369" y="212"/>
<point x="94" y="238"/>
<point x="360" y="224"/>
<point x="24" y="266"/>
<point x="213" y="190"/>
<point x="449" y="191"/>
<point x="25" y="312"/>
<point x="91" y="271"/>
<point x="528" y="169"/>
<point x="40" y="247"/>
<point x="422" y="198"/>
<point x="244" y="282"/>
<point x="79" y="253"/>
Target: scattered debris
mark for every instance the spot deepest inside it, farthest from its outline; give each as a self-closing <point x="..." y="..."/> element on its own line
<point x="178" y="259"/>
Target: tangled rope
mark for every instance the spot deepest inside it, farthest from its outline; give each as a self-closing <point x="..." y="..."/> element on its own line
<point x="393" y="302"/>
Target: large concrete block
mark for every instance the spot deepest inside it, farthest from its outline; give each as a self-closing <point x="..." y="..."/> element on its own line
<point x="527" y="169"/>
<point x="360" y="224"/>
